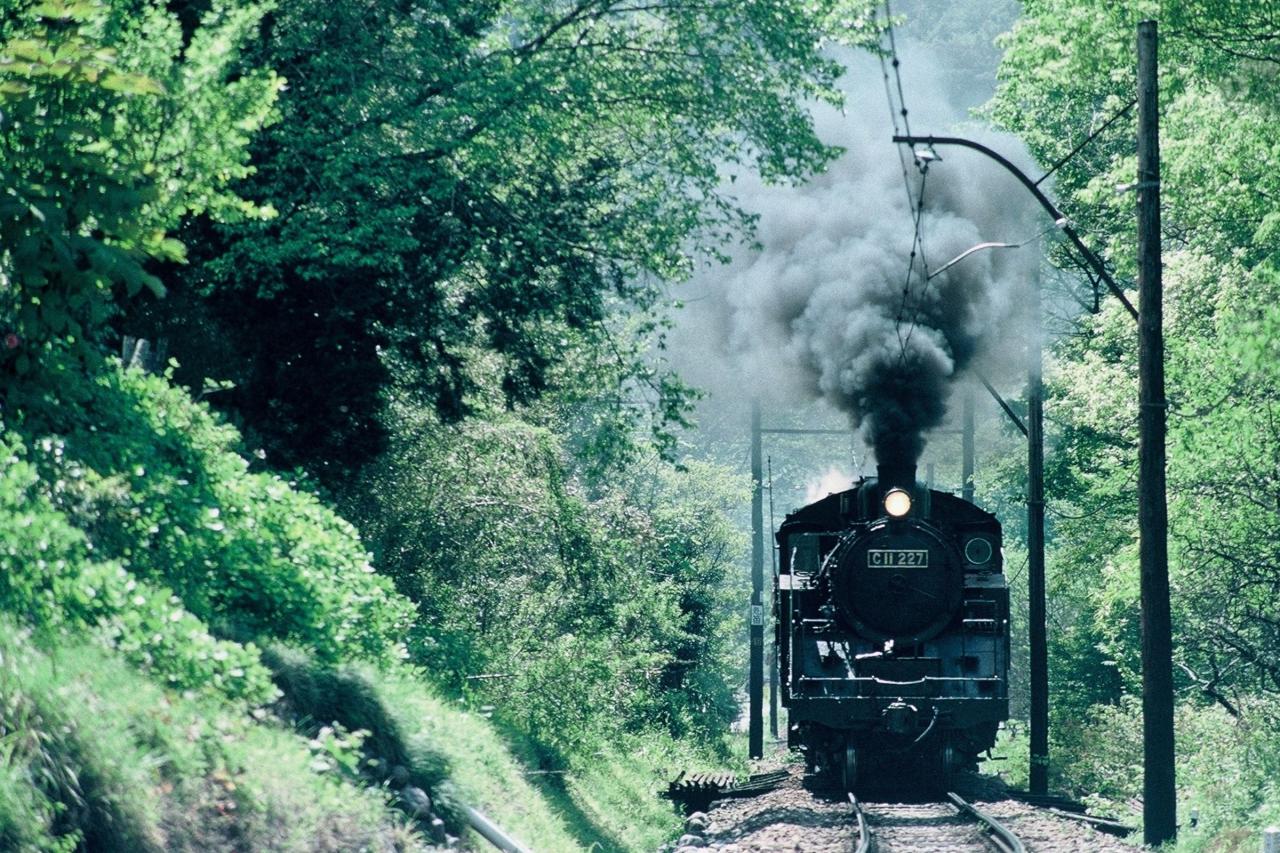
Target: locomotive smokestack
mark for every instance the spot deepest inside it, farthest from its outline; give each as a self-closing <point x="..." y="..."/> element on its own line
<point x="900" y="474"/>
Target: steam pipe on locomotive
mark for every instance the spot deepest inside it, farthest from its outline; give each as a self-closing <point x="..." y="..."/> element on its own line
<point x="892" y="629"/>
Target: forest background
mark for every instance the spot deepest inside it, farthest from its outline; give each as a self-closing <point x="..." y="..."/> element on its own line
<point x="346" y="483"/>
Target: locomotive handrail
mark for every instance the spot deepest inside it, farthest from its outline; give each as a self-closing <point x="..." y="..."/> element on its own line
<point x="893" y="683"/>
<point x="872" y="678"/>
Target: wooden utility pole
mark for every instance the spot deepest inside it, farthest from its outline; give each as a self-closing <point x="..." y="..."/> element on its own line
<point x="755" y="679"/>
<point x="1035" y="557"/>
<point x="1159" y="804"/>
<point x="773" y="693"/>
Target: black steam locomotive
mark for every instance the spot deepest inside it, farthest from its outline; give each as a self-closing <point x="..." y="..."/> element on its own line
<point x="892" y="630"/>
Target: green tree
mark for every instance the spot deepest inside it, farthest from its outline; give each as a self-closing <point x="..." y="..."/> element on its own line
<point x="1068" y="67"/>
<point x="575" y="611"/>
<point x="468" y="192"/>
<point x="113" y="127"/>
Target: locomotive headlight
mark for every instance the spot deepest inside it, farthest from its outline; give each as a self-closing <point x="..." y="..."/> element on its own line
<point x="897" y="502"/>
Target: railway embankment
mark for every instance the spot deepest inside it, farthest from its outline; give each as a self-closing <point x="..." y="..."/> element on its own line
<point x="198" y="653"/>
<point x="97" y="752"/>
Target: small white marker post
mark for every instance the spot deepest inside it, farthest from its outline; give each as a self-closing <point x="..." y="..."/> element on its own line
<point x="1271" y="840"/>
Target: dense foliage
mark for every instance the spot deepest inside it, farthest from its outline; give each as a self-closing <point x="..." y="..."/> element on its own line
<point x="577" y="612"/>
<point x="1068" y="67"/>
<point x="114" y="126"/>
<point x="154" y="481"/>
<point x="417" y="258"/>
<point x="469" y="194"/>
<point x="375" y="236"/>
<point x="53" y="580"/>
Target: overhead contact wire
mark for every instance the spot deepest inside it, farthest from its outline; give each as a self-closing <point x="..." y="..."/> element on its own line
<point x="893" y="109"/>
<point x="917" y="248"/>
<point x="893" y="48"/>
<point x="924" y="271"/>
<point x="915" y="201"/>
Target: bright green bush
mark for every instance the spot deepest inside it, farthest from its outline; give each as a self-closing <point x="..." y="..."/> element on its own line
<point x="155" y="482"/>
<point x="51" y="578"/>
<point x="117" y="123"/>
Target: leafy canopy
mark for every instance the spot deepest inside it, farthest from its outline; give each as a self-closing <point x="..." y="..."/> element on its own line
<point x="1068" y="67"/>
<point x="469" y="192"/>
<point x="113" y="125"/>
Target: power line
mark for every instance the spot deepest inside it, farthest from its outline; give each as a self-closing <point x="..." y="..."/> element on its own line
<point x="917" y="247"/>
<point x="893" y="47"/>
<point x="1074" y="151"/>
<point x="888" y="94"/>
<point x="915" y="200"/>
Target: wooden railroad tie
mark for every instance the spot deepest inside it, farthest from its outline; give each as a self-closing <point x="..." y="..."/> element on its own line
<point x="696" y="791"/>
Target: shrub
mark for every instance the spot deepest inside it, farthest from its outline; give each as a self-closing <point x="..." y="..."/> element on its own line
<point x="577" y="610"/>
<point x="1226" y="766"/>
<point x="51" y="578"/>
<point x="154" y="480"/>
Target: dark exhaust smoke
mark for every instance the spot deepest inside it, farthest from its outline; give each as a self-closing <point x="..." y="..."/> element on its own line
<point x="831" y="302"/>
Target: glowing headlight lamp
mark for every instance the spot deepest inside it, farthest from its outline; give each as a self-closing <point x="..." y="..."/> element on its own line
<point x="897" y="502"/>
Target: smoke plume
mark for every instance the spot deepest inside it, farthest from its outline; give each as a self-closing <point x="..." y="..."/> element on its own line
<point x="833" y="480"/>
<point x="831" y="302"/>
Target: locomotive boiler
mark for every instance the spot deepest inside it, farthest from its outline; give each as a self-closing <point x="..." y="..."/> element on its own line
<point x="892" y="621"/>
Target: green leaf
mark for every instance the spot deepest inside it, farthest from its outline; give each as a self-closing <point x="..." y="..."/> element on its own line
<point x="171" y="249"/>
<point x="133" y="84"/>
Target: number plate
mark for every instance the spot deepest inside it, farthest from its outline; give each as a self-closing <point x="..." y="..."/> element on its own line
<point x="893" y="558"/>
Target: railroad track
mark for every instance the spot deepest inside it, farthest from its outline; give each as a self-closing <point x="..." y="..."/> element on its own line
<point x="795" y="816"/>
<point x="943" y="827"/>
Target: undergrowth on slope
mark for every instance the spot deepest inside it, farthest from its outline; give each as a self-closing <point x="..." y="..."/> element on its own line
<point x="97" y="757"/>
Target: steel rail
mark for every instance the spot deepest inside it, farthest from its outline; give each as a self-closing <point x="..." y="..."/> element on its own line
<point x="1102" y="824"/>
<point x="493" y="833"/>
<point x="1001" y="835"/>
<point x="864" y="832"/>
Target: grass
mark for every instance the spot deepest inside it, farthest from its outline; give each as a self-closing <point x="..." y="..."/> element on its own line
<point x="94" y="755"/>
<point x="605" y="801"/>
<point x="617" y="793"/>
<point x="483" y="772"/>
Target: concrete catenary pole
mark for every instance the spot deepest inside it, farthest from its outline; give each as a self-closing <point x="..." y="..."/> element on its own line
<point x="755" y="679"/>
<point x="1035" y="558"/>
<point x="1159" y="806"/>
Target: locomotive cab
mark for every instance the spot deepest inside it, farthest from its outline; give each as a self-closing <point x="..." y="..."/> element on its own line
<point x="892" y="628"/>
